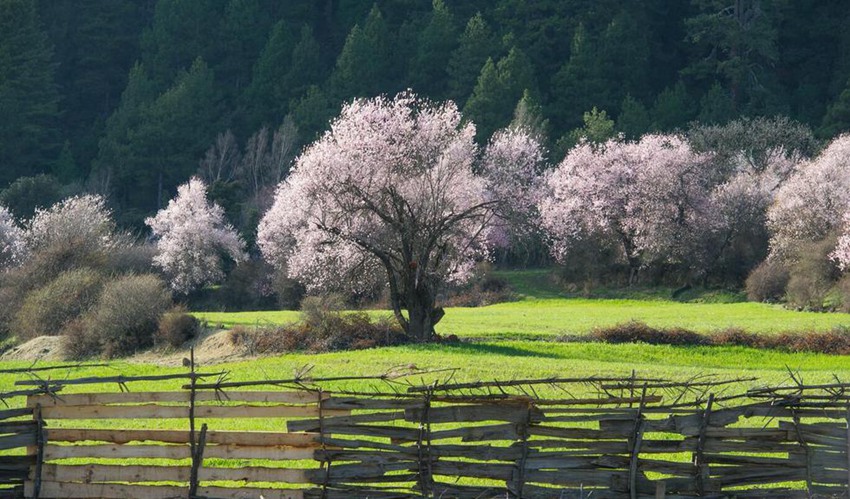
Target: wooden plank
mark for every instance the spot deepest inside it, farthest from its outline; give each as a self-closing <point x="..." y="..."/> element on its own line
<point x="117" y="451"/>
<point x="62" y="490"/>
<point x="154" y="411"/>
<point x="52" y="452"/>
<point x="393" y="432"/>
<point x="17" y="440"/>
<point x="330" y="423"/>
<point x="182" y="437"/>
<point x="504" y="431"/>
<point x="473" y="470"/>
<point x="351" y="403"/>
<point x="91" y="473"/>
<point x="475" y="413"/>
<point x="73" y="399"/>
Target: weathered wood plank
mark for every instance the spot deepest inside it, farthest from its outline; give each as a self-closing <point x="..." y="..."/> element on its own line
<point x="14" y="441"/>
<point x="330" y="423"/>
<point x="182" y="437"/>
<point x="90" y="473"/>
<point x="475" y="413"/>
<point x="154" y="411"/>
<point x="74" y="399"/>
<point x="62" y="490"/>
<point x="118" y="451"/>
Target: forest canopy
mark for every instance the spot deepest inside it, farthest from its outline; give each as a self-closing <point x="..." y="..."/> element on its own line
<point x="126" y="98"/>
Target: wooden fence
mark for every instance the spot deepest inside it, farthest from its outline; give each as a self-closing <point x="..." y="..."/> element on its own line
<point x="620" y="438"/>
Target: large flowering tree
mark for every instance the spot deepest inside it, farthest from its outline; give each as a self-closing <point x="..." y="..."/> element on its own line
<point x="393" y="191"/>
<point x="192" y="236"/>
<point x="12" y="246"/>
<point x="649" y="196"/>
<point x="812" y="203"/>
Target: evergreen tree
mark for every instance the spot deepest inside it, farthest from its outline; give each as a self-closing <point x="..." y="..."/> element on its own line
<point x="735" y="41"/>
<point x="837" y="119"/>
<point x="245" y="29"/>
<point x="528" y="115"/>
<point x="436" y="42"/>
<point x="361" y="67"/>
<point x="477" y="44"/>
<point x="597" y="129"/>
<point x="673" y="108"/>
<point x="634" y="120"/>
<point x="181" y="32"/>
<point x="269" y="93"/>
<point x="577" y="85"/>
<point x="113" y="147"/>
<point x="716" y="106"/>
<point x="499" y="87"/>
<point x="29" y="137"/>
<point x="312" y="113"/>
<point x="170" y="137"/>
<point x="96" y="42"/>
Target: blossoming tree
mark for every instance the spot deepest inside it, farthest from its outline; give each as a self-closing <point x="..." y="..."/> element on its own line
<point x="649" y="196"/>
<point x="12" y="246"/>
<point x="394" y="190"/>
<point x="811" y="204"/>
<point x="192" y="235"/>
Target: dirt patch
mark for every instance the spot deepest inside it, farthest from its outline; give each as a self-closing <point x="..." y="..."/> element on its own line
<point x="211" y="347"/>
<point x="39" y="348"/>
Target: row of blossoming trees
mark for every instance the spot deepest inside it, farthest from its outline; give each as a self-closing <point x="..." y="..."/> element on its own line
<point x="398" y="194"/>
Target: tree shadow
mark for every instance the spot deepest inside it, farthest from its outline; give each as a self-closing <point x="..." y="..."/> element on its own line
<point x="491" y="349"/>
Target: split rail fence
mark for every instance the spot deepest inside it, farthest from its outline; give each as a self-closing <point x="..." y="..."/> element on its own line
<point x="617" y="438"/>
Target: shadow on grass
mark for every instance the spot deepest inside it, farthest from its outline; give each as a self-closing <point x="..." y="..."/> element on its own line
<point x="491" y="349"/>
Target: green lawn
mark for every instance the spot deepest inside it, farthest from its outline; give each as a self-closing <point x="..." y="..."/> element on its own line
<point x="543" y="312"/>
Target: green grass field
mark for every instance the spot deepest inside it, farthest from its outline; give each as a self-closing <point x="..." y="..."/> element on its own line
<point x="542" y="312"/>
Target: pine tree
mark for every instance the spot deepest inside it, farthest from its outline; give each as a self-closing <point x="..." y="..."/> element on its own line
<point x="168" y="140"/>
<point x="634" y="120"/>
<point x="268" y="96"/>
<point x="528" y="115"/>
<point x="361" y="68"/>
<point x="436" y="43"/>
<point x="498" y="89"/>
<point x="245" y="29"/>
<point x="477" y="44"/>
<point x="577" y="86"/>
<point x="837" y="119"/>
<point x="716" y="106"/>
<point x="29" y="136"/>
<point x="673" y="108"/>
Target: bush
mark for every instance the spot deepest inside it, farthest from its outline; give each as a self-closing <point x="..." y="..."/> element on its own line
<point x="248" y="287"/>
<point x="812" y="275"/>
<point x="47" y="310"/>
<point x="335" y="331"/>
<point x="176" y="327"/>
<point x="767" y="282"/>
<point x="80" y="341"/>
<point x="127" y="314"/>
<point x="636" y="331"/>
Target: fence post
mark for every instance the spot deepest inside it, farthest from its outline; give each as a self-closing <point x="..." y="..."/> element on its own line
<point x="699" y="459"/>
<point x="423" y="445"/>
<point x="522" y="432"/>
<point x="805" y="446"/>
<point x="636" y="441"/>
<point x="847" y="419"/>
<point x="327" y="463"/>
<point x="39" y="453"/>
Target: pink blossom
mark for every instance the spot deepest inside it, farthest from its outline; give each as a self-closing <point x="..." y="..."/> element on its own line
<point x="191" y="236"/>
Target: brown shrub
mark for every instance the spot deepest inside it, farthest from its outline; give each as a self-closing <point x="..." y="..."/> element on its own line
<point x="127" y="314"/>
<point x="639" y="332"/>
<point x="350" y="331"/>
<point x="176" y="327"/>
<point x="79" y="342"/>
<point x="48" y="309"/>
<point x="737" y="337"/>
<point x="767" y="282"/>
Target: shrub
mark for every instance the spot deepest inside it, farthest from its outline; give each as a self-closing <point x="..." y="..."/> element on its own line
<point x="812" y="275"/>
<point x="636" y="331"/>
<point x="47" y="310"/>
<point x="248" y="287"/>
<point x="767" y="282"/>
<point x="80" y="341"/>
<point x="350" y="331"/>
<point x="176" y="327"/>
<point x="127" y="314"/>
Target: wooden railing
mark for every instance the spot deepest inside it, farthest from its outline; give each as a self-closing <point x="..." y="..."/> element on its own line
<point x="628" y="438"/>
